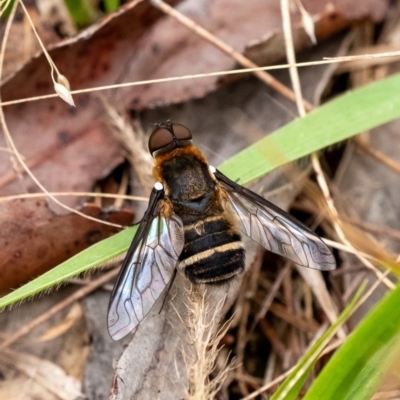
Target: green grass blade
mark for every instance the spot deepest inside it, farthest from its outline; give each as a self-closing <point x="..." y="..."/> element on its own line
<point x="6" y="10"/>
<point x="292" y="385"/>
<point x="95" y="255"/>
<point x="337" y="120"/>
<point x="82" y="12"/>
<point x="111" y="5"/>
<point x="356" y="369"/>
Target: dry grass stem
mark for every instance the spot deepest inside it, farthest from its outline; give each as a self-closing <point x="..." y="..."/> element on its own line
<point x="337" y="223"/>
<point x="4" y="4"/>
<point x="313" y="278"/>
<point x="122" y="188"/>
<point x="77" y="194"/>
<point x="50" y="376"/>
<point x="267" y="302"/>
<point x="204" y="337"/>
<point x="228" y="50"/>
<point x="361" y="243"/>
<point x="379" y="156"/>
<point x="184" y="77"/>
<point x="314" y="158"/>
<point x="291" y="57"/>
<point x="364" y="56"/>
<point x="58" y="307"/>
<point x="132" y="137"/>
<point x="374" y="228"/>
<point x="61" y="83"/>
<point x="390" y="395"/>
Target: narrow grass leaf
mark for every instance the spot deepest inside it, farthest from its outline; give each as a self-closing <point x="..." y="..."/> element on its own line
<point x="111" y="5"/>
<point x="357" y="368"/>
<point x="82" y="12"/>
<point x="354" y="112"/>
<point x="291" y="386"/>
<point x="95" y="255"/>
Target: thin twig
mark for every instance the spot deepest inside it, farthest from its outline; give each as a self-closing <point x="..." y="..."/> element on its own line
<point x="314" y="158"/>
<point x="374" y="228"/>
<point x="269" y="299"/>
<point x="363" y="56"/>
<point x="336" y="220"/>
<point x="183" y="77"/>
<point x="291" y="57"/>
<point x="58" y="307"/>
<point x="76" y="194"/>
<point x="230" y="51"/>
<point x="32" y="176"/>
<point x="378" y="155"/>
<point x="320" y="288"/>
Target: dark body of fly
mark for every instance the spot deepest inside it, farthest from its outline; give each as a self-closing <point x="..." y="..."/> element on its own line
<point x="192" y="224"/>
<point x="213" y="251"/>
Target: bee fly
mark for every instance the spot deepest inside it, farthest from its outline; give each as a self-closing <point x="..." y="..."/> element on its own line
<point x="193" y="223"/>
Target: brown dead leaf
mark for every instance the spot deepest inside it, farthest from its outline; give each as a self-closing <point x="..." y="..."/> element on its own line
<point x="33" y="239"/>
<point x="69" y="149"/>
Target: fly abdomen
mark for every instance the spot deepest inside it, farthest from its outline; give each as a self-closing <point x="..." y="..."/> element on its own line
<point x="213" y="251"/>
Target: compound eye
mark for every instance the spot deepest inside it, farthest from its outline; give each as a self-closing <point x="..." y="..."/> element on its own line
<point x="181" y="132"/>
<point x="160" y="138"/>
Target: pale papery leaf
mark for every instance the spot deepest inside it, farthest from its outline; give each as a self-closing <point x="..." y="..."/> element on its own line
<point x="62" y="80"/>
<point x="309" y="26"/>
<point x="64" y="93"/>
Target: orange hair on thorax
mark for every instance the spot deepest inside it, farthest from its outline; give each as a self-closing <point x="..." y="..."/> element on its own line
<point x="180" y="151"/>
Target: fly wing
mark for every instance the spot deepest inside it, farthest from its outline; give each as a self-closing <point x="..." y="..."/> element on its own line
<point x="146" y="271"/>
<point x="273" y="228"/>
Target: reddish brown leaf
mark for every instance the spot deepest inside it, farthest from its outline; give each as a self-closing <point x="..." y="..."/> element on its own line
<point x="33" y="239"/>
<point x="69" y="149"/>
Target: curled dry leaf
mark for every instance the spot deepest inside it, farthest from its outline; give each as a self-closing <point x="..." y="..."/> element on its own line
<point x="33" y="239"/>
<point x="47" y="374"/>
